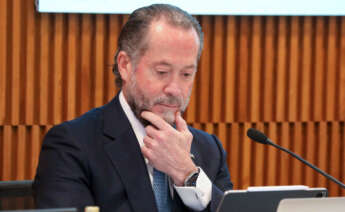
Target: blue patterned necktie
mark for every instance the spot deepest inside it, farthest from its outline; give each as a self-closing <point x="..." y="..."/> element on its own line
<point x="161" y="190"/>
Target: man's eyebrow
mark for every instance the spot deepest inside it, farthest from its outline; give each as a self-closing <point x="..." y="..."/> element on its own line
<point x="164" y="63"/>
<point x="190" y="66"/>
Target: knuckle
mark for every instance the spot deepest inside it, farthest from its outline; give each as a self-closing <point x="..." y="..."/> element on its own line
<point x="149" y="129"/>
<point x="160" y="137"/>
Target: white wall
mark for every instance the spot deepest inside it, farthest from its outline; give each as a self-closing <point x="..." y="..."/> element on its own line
<point x="211" y="7"/>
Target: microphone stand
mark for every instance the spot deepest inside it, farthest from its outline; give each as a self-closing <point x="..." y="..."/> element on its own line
<point x="306" y="163"/>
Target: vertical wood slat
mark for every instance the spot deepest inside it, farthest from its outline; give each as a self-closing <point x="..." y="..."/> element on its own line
<point x="15" y="60"/>
<point x="310" y="174"/>
<point x="306" y="69"/>
<point x="20" y="153"/>
<point x="57" y="69"/>
<point x="284" y="158"/>
<point x="86" y="58"/>
<point x="341" y="52"/>
<point x="297" y="147"/>
<point x="44" y="68"/>
<point x="282" y="70"/>
<point x="29" y="71"/>
<point x="3" y="58"/>
<point x="204" y="74"/>
<point x="342" y="156"/>
<point x="114" y="31"/>
<point x="319" y="64"/>
<point x="322" y="152"/>
<point x="6" y="160"/>
<point x="234" y="156"/>
<point x="255" y="93"/>
<point x="217" y="69"/>
<point x="246" y="157"/>
<point x="242" y="77"/>
<point x="70" y="90"/>
<point x="230" y="64"/>
<point x="222" y="133"/>
<point x="335" y="156"/>
<point x="99" y="62"/>
<point x="272" y="154"/>
<point x="2" y="143"/>
<point x="293" y="68"/>
<point x="35" y="147"/>
<point x="259" y="160"/>
<point x="331" y="67"/>
<point x="268" y="65"/>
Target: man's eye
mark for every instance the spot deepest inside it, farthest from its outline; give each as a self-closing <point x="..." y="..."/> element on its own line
<point x="187" y="75"/>
<point x="162" y="72"/>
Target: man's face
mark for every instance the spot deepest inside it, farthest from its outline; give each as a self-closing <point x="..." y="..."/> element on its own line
<point x="162" y="79"/>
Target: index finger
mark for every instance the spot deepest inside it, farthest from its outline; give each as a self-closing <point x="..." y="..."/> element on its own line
<point x="181" y="124"/>
<point x="155" y="120"/>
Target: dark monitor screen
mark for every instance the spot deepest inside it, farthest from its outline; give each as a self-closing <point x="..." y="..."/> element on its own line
<point x="268" y="201"/>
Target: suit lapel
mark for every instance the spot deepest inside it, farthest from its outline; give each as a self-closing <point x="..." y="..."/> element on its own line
<point x="194" y="152"/>
<point x="123" y="149"/>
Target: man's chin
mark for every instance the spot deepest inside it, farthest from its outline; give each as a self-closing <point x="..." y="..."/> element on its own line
<point x="168" y="116"/>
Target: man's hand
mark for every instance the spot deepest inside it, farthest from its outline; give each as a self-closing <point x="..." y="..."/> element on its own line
<point x="168" y="149"/>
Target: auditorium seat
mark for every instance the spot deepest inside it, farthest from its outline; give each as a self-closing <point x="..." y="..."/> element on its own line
<point x="16" y="195"/>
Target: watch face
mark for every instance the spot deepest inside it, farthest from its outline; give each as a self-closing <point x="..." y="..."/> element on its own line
<point x="191" y="181"/>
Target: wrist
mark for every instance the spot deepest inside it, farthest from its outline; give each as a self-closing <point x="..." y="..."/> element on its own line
<point x="181" y="178"/>
<point x="192" y="178"/>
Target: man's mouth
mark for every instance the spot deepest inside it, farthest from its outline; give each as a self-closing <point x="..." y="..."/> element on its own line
<point x="168" y="105"/>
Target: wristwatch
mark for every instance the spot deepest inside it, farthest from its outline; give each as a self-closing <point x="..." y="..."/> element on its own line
<point x="190" y="181"/>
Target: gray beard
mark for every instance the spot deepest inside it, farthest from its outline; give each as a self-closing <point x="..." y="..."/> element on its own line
<point x="139" y="103"/>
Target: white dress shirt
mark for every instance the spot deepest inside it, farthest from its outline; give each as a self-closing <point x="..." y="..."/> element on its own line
<point x="196" y="198"/>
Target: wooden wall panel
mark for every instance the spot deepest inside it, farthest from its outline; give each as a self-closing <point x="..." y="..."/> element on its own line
<point x="256" y="69"/>
<point x="3" y="59"/>
<point x="230" y="65"/>
<point x="306" y="69"/>
<point x="282" y="75"/>
<point x="254" y="164"/>
<point x="21" y="145"/>
<point x="340" y="111"/>
<point x="204" y="74"/>
<point x="282" y="71"/>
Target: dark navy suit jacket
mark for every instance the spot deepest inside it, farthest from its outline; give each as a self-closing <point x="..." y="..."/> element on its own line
<point x="96" y="160"/>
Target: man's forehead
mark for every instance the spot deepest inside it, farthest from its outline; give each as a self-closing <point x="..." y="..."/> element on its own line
<point x="160" y="23"/>
<point x="163" y="30"/>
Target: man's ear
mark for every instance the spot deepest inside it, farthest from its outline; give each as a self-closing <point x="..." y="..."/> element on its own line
<point x="124" y="65"/>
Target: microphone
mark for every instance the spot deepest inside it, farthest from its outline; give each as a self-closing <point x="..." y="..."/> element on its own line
<point x="260" y="137"/>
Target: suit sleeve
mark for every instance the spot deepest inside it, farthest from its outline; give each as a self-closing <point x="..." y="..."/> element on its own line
<point x="222" y="182"/>
<point x="61" y="179"/>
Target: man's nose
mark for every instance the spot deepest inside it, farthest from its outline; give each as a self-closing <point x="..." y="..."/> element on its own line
<point x="173" y="87"/>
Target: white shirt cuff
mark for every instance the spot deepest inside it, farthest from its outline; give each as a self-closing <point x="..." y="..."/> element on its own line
<point x="198" y="197"/>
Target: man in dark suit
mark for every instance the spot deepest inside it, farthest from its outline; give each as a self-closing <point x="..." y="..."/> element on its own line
<point x="136" y="153"/>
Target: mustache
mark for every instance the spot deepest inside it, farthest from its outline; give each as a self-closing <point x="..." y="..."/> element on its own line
<point x="170" y="100"/>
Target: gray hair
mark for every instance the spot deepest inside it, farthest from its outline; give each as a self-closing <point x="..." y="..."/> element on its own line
<point x="132" y="38"/>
